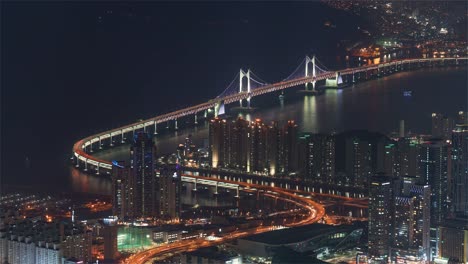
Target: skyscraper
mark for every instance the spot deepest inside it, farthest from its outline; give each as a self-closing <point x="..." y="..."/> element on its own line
<point x="460" y="170"/>
<point x="218" y="135"/>
<point x="168" y="182"/>
<point x="122" y="190"/>
<point x="358" y="161"/>
<point x="238" y="144"/>
<point x="380" y="218"/>
<point x="407" y="157"/>
<point x="411" y="224"/>
<point x="143" y="152"/>
<point x="258" y="147"/>
<point x="275" y="149"/>
<point x="442" y="126"/>
<point x="290" y="147"/>
<point x="317" y="157"/>
<point x="434" y="172"/>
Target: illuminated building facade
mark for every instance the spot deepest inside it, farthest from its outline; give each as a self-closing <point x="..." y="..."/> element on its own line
<point x="434" y="172"/>
<point x="219" y="142"/>
<point x="275" y="149"/>
<point x="380" y="218"/>
<point x="122" y="190"/>
<point x="143" y="152"/>
<point x="442" y="126"/>
<point x="411" y="241"/>
<point x="238" y="144"/>
<point x="258" y="156"/>
<point x="316" y="156"/>
<point x="453" y="241"/>
<point x="358" y="161"/>
<point x="407" y="157"/>
<point x="253" y="146"/>
<point x="460" y="170"/>
<point x="290" y="146"/>
<point x="168" y="182"/>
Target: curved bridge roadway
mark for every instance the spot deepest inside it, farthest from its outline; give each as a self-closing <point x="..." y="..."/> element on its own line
<point x="315" y="212"/>
<point x="79" y="148"/>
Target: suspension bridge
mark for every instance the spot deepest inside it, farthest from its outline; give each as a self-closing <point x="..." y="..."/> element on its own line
<point x="244" y="87"/>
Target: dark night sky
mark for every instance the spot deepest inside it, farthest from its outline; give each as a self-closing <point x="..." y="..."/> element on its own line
<point x="72" y="69"/>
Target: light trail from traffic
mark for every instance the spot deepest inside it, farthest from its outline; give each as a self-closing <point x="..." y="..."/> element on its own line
<point x="315" y="213"/>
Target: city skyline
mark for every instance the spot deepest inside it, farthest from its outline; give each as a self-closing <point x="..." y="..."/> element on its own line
<point x="306" y="132"/>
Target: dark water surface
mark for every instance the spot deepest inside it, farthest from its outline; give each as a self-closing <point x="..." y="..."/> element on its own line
<point x="376" y="105"/>
<point x="71" y="70"/>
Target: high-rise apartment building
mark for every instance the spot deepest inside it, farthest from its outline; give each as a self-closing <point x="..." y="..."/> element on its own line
<point x="380" y="218"/>
<point x="258" y="156"/>
<point x="316" y="156"/>
<point x="275" y="149"/>
<point x="219" y="142"/>
<point x="442" y="126"/>
<point x="407" y="157"/>
<point x="290" y="146"/>
<point x="434" y="172"/>
<point x="122" y="190"/>
<point x="142" y="166"/>
<point x="411" y="225"/>
<point x="460" y="170"/>
<point x="239" y="144"/>
<point x="168" y="182"/>
<point x="358" y="161"/>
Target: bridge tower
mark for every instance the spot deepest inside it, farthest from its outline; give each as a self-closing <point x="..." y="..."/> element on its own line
<point x="314" y="73"/>
<point x="243" y="74"/>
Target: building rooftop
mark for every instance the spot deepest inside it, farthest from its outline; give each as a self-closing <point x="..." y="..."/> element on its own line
<point x="212" y="253"/>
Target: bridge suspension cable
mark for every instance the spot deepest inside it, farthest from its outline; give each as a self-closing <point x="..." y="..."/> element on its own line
<point x="299" y="71"/>
<point x="232" y="88"/>
<point x="257" y="79"/>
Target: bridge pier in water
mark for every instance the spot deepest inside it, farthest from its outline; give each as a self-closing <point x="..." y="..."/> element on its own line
<point x="155" y="128"/>
<point x="196" y="121"/>
<point x="175" y="124"/>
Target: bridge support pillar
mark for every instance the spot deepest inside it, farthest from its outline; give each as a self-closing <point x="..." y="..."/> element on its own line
<point x="196" y="121"/>
<point x="97" y="169"/>
<point x="91" y="147"/>
<point x="155" y="128"/>
<point x="77" y="162"/>
<point x="195" y="187"/>
<point x="133" y="128"/>
<point x="122" y="136"/>
<point x="86" y="165"/>
<point x="216" y="188"/>
<point x="167" y="126"/>
<point x="354" y="80"/>
<point x="175" y="124"/>
<point x="100" y="145"/>
<point x="205" y="114"/>
<point x="248" y="102"/>
<point x="111" y="141"/>
<point x="237" y="192"/>
<point x="217" y="107"/>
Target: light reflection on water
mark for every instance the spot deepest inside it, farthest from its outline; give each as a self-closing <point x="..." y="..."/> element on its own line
<point x="376" y="105"/>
